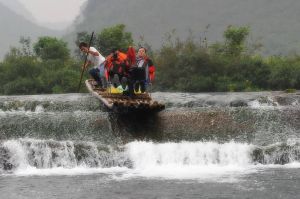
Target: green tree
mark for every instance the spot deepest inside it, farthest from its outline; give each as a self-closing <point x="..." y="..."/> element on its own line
<point x="21" y="72"/>
<point x="51" y="48"/>
<point x="235" y="38"/>
<point x="114" y="38"/>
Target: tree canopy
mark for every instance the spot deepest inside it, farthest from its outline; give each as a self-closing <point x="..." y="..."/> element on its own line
<point x="51" y="48"/>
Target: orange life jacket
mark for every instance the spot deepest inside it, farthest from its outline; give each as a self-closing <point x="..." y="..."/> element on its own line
<point x="117" y="63"/>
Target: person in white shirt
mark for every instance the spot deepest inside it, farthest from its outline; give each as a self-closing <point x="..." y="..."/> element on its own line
<point x="96" y="60"/>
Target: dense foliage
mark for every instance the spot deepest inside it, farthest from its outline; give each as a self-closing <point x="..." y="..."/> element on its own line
<point x="193" y="67"/>
<point x="188" y="66"/>
<point x="49" y="70"/>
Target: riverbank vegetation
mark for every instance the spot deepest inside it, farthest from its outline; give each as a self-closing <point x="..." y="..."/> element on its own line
<point x="234" y="64"/>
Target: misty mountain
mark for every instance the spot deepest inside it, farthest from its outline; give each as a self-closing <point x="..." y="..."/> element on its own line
<point x="274" y="23"/>
<point x="13" y="26"/>
<point x="18" y="8"/>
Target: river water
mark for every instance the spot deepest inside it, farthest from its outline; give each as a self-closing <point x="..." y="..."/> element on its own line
<point x="213" y="145"/>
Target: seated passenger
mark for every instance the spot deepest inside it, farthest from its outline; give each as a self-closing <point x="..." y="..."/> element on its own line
<point x="141" y="73"/>
<point x="117" y="67"/>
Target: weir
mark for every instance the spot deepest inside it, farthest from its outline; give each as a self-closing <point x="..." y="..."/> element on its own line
<point x="196" y="130"/>
<point x="22" y="154"/>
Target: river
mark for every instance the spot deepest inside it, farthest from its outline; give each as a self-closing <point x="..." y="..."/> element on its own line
<point x="208" y="145"/>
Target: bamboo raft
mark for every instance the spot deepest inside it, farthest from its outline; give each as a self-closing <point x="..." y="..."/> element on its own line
<point x="121" y="103"/>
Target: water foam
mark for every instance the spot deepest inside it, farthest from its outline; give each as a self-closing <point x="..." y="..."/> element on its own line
<point x="147" y="154"/>
<point x="264" y="103"/>
<point x="184" y="160"/>
<point x="188" y="160"/>
<point x="60" y="171"/>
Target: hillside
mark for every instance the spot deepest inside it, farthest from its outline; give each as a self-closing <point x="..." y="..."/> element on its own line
<point x="274" y="23"/>
<point x="13" y="26"/>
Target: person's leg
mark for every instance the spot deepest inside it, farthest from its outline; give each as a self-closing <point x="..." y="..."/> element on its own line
<point x="94" y="72"/>
<point x="143" y="80"/>
<point x="120" y="79"/>
<point x="137" y="86"/>
<point x="140" y="74"/>
<point x="115" y="81"/>
<point x="130" y="88"/>
<point x="143" y="86"/>
<point x="131" y="81"/>
<point x="124" y="82"/>
<point x="103" y="82"/>
<point x="102" y="76"/>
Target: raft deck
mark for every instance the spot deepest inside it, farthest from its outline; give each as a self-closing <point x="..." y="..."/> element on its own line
<point x="119" y="102"/>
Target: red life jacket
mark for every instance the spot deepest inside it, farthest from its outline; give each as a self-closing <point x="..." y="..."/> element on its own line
<point x="131" y="55"/>
<point x="151" y="69"/>
<point x="151" y="73"/>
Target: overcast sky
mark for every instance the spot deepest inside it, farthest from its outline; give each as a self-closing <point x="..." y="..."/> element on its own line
<point x="53" y="11"/>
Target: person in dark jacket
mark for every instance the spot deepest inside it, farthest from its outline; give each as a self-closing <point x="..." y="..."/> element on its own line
<point x="141" y="73"/>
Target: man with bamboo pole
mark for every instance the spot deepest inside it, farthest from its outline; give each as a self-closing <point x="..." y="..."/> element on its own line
<point x="96" y="60"/>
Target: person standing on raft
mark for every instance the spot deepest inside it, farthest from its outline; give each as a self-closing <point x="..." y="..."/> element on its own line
<point x="96" y="60"/>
